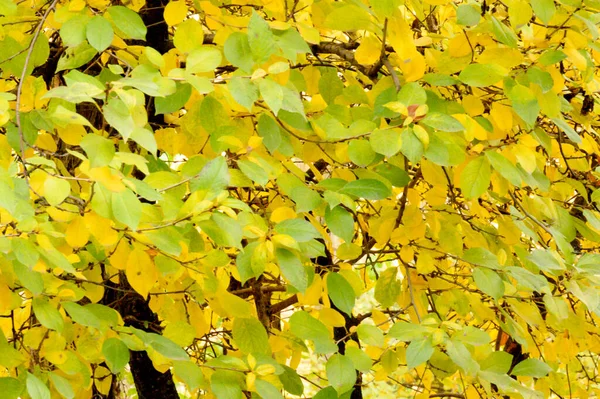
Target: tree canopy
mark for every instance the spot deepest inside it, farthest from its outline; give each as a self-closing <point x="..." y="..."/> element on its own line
<point x="299" y="198"/>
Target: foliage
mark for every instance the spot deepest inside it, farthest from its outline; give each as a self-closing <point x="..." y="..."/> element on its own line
<point x="211" y="190"/>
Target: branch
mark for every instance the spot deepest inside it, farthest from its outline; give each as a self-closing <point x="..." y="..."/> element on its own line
<point x="38" y="29"/>
<point x="279" y="306"/>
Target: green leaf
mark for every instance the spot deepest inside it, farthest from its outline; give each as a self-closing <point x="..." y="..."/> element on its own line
<point x="489" y="282"/>
<point x="267" y="390"/>
<point x="443" y="150"/>
<point x="541" y="78"/>
<point x="214" y="176"/>
<point x="552" y="56"/>
<point x="299" y="229"/>
<point x="73" y="31"/>
<point x="203" y="59"/>
<point x="569" y="131"/>
<point x="30" y="279"/>
<point x="292" y="269"/>
<point x="341" y="292"/>
<point x="370" y="335"/>
<point x="440" y="79"/>
<point x="127" y="208"/>
<point x="237" y="51"/>
<point x="260" y="39"/>
<point x="55" y="258"/>
<point x="544" y="10"/>
<point x="412" y="147"/>
<point x="412" y="94"/>
<point x="99" y="33"/>
<point x="340" y="222"/>
<point x="224" y="385"/>
<point x="189" y="373"/>
<point x="546" y="260"/>
<point x="273" y="94"/>
<point x="99" y="150"/>
<point x="418" y="352"/>
<point x="11" y="388"/>
<point x="245" y="93"/>
<point x="443" y="122"/>
<point x="497" y="362"/>
<point x="503" y="33"/>
<point x="306" y="327"/>
<point x="166" y="239"/>
<point x="74" y="57"/>
<point x="481" y="75"/>
<point x="362" y="362"/>
<point x="166" y="347"/>
<point x="524" y="103"/>
<point x="504" y="167"/>
<point x="56" y="190"/>
<point x="223" y="230"/>
<point x="407" y="332"/>
<point x="145" y="138"/>
<point x="326" y="393"/>
<point x="472" y="336"/>
<point x="62" y="385"/>
<point x="82" y="315"/>
<point x="532" y="368"/>
<point x="8" y="8"/>
<point x="475" y="177"/>
<point x="25" y="251"/>
<point x="468" y="14"/>
<point x="369" y="189"/>
<point x="173" y="102"/>
<point x="116" y="354"/>
<point x="361" y="153"/>
<point x="481" y="257"/>
<point x="128" y="22"/>
<point x="348" y="18"/>
<point x="386" y="142"/>
<point x="461" y="356"/>
<point x="254" y="171"/>
<point x="47" y="314"/>
<point x="291" y="381"/>
<point x="250" y="336"/>
<point x="340" y="373"/>
<point x="36" y="388"/>
<point x="387" y="287"/>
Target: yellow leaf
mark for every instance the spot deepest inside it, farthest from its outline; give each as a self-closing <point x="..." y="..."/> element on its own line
<point x="108" y="179"/>
<point x="369" y="51"/>
<point x="71" y="134"/>
<point x="77" y="233"/>
<point x="282" y="213"/>
<point x="232" y="305"/>
<point x="313" y="292"/>
<point x="119" y="257"/>
<point x="331" y="317"/>
<point x="526" y="157"/>
<point x="101" y="228"/>
<point x="175" y="12"/>
<point x="141" y="271"/>
<point x="181" y="333"/>
<point x="198" y="320"/>
<point x="46" y="142"/>
<point x="473" y="105"/>
<point x="348" y="251"/>
<point x="189" y="34"/>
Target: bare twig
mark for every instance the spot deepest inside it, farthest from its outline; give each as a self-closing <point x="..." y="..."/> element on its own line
<point x="36" y="34"/>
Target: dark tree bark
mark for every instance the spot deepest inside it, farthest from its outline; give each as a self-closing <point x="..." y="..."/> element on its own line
<point x="342" y="334"/>
<point x="135" y="311"/>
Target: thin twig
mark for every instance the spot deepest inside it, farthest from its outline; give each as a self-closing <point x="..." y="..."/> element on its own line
<point x="38" y="29"/>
